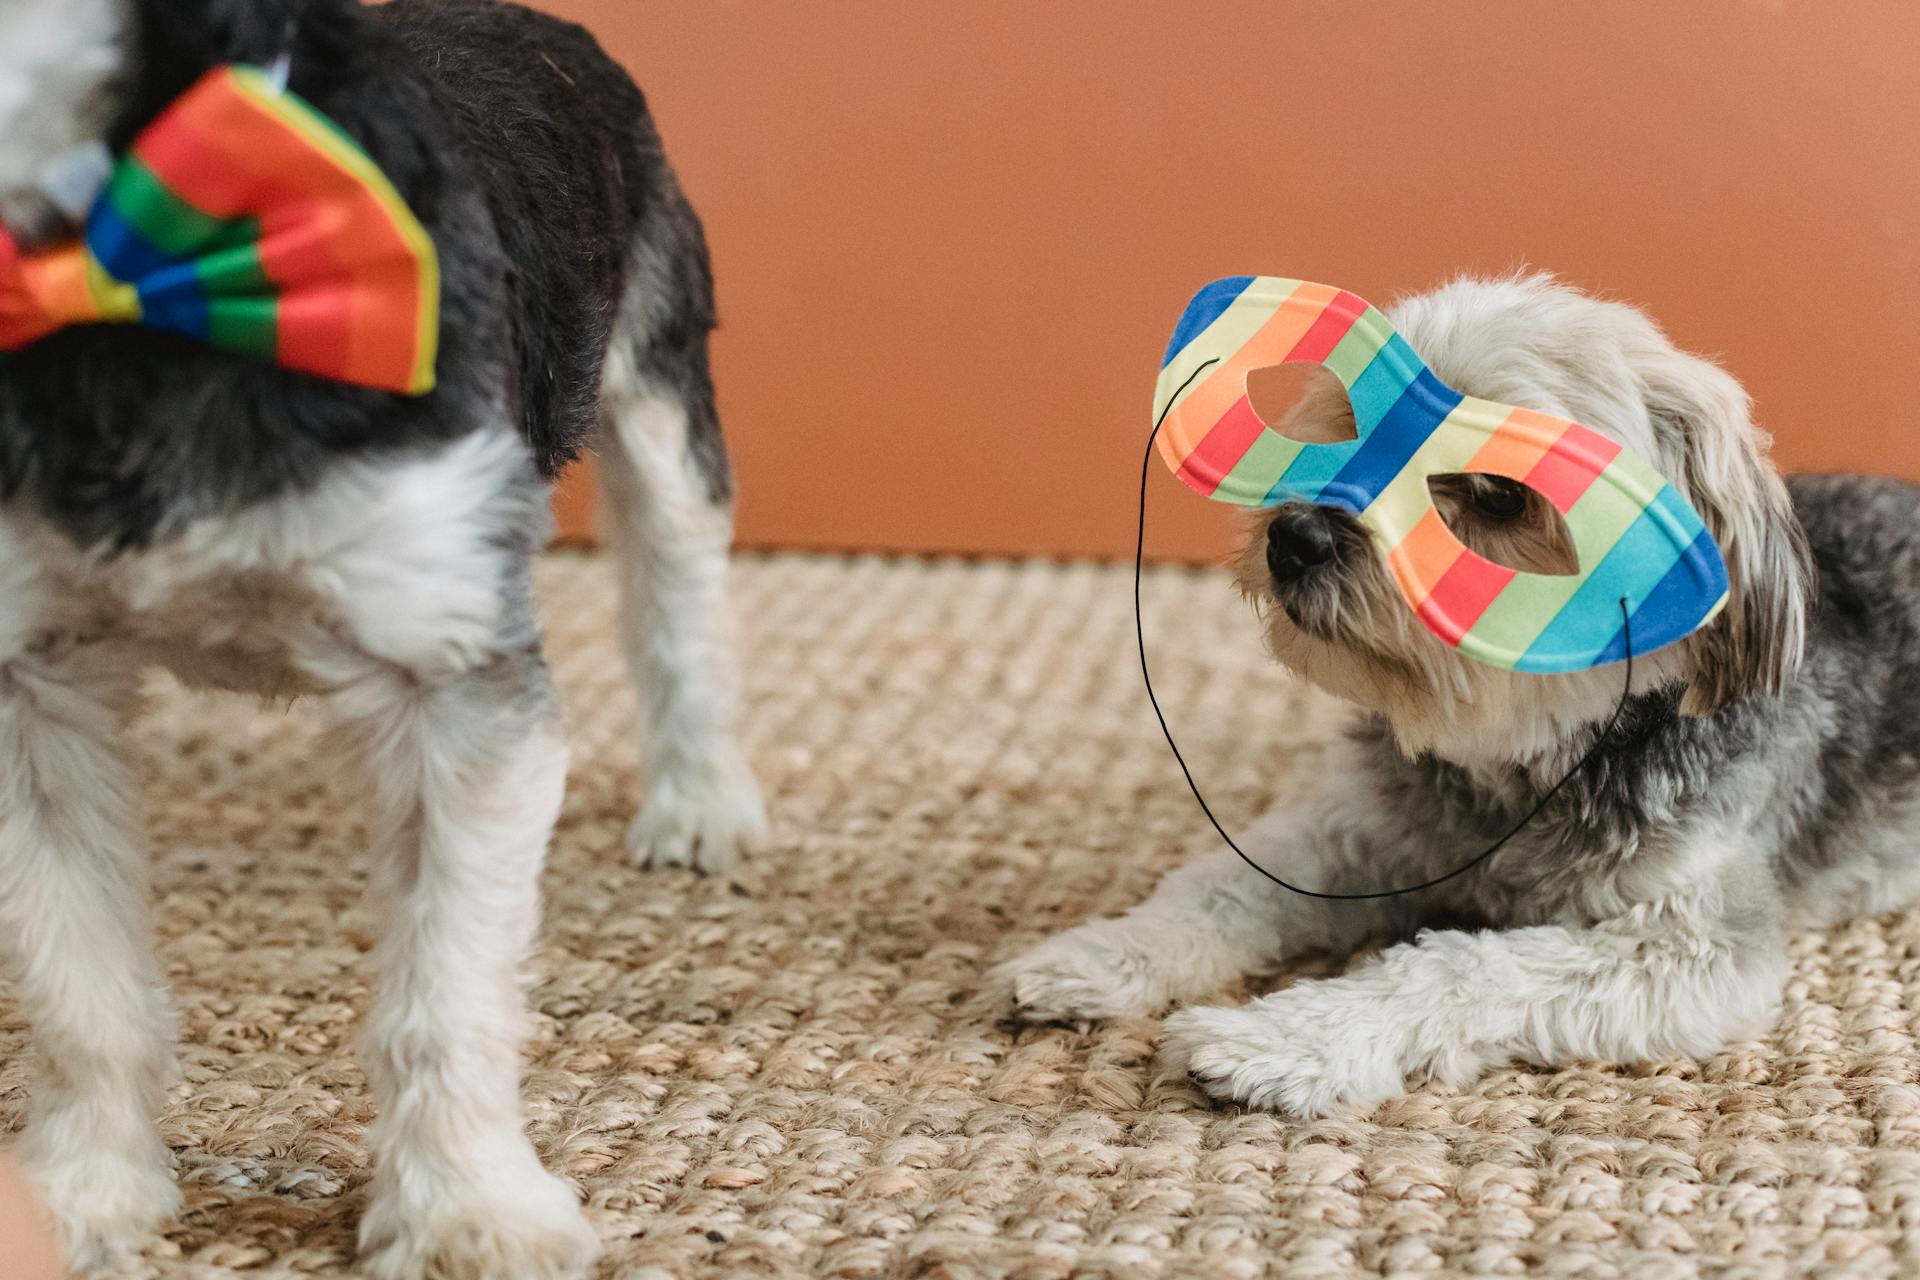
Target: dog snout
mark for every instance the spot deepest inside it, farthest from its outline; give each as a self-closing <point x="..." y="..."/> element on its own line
<point x="1299" y="540"/>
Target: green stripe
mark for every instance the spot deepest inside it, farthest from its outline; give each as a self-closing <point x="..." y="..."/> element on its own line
<point x="167" y="222"/>
<point x="1354" y="352"/>
<point x="1530" y="603"/>
<point x="251" y="325"/>
<point x="243" y="304"/>
<point x="1632" y="473"/>
<point x="1258" y="469"/>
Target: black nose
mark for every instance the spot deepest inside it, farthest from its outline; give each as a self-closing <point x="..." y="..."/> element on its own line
<point x="1299" y="539"/>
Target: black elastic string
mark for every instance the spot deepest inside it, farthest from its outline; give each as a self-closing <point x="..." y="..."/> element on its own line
<point x="1139" y="632"/>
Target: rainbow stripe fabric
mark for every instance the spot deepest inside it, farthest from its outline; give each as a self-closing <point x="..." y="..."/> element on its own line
<point x="1637" y="538"/>
<point x="244" y="218"/>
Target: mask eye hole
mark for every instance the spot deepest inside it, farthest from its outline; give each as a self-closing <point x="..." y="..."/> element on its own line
<point x="1504" y="521"/>
<point x="1302" y="402"/>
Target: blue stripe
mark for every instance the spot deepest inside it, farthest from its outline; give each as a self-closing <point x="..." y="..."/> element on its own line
<point x="1311" y="470"/>
<point x="1381" y="384"/>
<point x="122" y="250"/>
<point x="1673" y="609"/>
<point x="1374" y="394"/>
<point x="1385" y="453"/>
<point x="175" y="299"/>
<point x="1635" y="566"/>
<point x="1206" y="307"/>
<point x="172" y="296"/>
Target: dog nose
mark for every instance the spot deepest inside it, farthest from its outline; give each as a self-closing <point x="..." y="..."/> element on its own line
<point x="1298" y="540"/>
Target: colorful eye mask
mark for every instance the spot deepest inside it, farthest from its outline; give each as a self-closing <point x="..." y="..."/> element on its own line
<point x="1636" y="537"/>
<point x="244" y="218"/>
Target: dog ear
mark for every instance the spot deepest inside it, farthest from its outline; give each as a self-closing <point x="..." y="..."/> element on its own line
<point x="1756" y="643"/>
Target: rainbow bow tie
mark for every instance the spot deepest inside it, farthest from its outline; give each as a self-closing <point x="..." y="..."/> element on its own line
<point x="1637" y="538"/>
<point x="244" y="218"/>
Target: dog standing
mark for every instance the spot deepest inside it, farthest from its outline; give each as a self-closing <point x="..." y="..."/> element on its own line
<point x="162" y="502"/>
<point x="1762" y="776"/>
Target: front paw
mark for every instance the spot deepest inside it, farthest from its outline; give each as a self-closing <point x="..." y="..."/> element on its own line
<point x="704" y="816"/>
<point x="1287" y="1052"/>
<point x="105" y="1205"/>
<point x="1102" y="969"/>
<point x="523" y="1225"/>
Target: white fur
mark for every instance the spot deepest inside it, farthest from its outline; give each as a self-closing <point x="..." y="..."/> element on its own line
<point x="1650" y="956"/>
<point x="465" y="800"/>
<point x="703" y="808"/>
<point x="55" y="58"/>
<point x="381" y="590"/>
<point x="393" y="589"/>
<point x="1654" y="982"/>
<point x="73" y="918"/>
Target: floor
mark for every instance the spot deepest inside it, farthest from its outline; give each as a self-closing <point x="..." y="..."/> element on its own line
<point x="796" y="1072"/>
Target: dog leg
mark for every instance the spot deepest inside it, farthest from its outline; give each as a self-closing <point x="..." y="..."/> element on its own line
<point x="76" y="930"/>
<point x="1675" y="977"/>
<point x="671" y="526"/>
<point x="1208" y="923"/>
<point x="467" y="772"/>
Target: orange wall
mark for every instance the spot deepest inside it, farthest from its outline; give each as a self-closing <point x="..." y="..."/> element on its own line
<point x="952" y="238"/>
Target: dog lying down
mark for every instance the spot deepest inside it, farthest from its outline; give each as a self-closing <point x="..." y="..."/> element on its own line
<point x="165" y="502"/>
<point x="1761" y="777"/>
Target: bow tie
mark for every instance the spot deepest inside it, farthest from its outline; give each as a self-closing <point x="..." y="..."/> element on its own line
<point x="244" y="218"/>
<point x="1637" y="538"/>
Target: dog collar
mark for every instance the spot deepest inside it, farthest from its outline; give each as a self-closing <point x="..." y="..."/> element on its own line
<point x="1637" y="538"/>
<point x="246" y="219"/>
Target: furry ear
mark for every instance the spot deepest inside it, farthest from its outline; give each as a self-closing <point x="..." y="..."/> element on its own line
<point x="1755" y="645"/>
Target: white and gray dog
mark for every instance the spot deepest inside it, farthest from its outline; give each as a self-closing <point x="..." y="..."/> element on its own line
<point x="1761" y="777"/>
<point x="164" y="503"/>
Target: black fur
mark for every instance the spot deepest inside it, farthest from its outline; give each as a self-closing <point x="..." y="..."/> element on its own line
<point x="1836" y="756"/>
<point x="529" y="156"/>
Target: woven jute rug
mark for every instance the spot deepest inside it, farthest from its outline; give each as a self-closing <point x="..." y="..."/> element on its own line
<point x="796" y="1073"/>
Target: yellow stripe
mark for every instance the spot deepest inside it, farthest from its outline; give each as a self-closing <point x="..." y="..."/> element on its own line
<point x="1458" y="437"/>
<point x="1230" y="331"/>
<point x="1530" y="603"/>
<point x="305" y="121"/>
<point x="113" y="300"/>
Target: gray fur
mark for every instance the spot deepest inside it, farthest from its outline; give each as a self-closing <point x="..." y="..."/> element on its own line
<point x="1762" y="775"/>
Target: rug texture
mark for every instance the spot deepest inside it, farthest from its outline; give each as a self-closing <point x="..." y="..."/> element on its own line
<point x="796" y="1073"/>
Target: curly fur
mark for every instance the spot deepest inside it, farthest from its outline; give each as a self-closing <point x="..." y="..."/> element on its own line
<point x="1762" y="776"/>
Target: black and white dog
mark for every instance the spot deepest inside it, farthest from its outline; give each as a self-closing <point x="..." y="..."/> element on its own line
<point x="249" y="528"/>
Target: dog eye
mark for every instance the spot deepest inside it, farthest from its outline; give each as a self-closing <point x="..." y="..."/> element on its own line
<point x="1503" y="521"/>
<point x="1499" y="498"/>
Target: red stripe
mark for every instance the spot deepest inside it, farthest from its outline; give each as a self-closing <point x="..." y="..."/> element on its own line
<point x="1462" y="595"/>
<point x="349" y="285"/>
<point x="1223" y="447"/>
<point x="1317" y="343"/>
<point x="1568" y="469"/>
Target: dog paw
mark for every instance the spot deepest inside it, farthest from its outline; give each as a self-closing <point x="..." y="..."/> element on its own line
<point x="105" y="1205"/>
<point x="705" y="818"/>
<point x="1278" y="1054"/>
<point x="1098" y="970"/>
<point x="525" y="1227"/>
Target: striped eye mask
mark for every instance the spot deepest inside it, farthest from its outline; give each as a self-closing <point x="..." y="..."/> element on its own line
<point x="1637" y="539"/>
<point x="244" y="218"/>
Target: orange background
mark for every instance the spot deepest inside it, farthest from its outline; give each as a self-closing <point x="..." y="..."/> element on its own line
<point x="951" y="239"/>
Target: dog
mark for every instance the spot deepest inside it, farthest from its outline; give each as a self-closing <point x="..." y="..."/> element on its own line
<point x="165" y="503"/>
<point x="1761" y="777"/>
